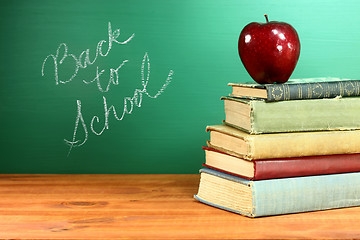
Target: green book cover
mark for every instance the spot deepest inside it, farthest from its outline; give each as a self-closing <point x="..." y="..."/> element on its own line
<point x="258" y="116"/>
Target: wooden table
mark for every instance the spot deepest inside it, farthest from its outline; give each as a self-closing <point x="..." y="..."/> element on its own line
<point x="144" y="207"/>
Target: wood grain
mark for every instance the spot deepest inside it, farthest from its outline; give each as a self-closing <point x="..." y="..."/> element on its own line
<point x="144" y="207"/>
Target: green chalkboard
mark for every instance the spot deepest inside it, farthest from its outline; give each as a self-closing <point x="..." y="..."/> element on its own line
<point x="129" y="86"/>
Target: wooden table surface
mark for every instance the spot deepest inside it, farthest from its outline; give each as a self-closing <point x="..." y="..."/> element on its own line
<point x="144" y="207"/>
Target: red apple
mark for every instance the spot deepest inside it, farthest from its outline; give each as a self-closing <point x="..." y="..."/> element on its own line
<point x="269" y="51"/>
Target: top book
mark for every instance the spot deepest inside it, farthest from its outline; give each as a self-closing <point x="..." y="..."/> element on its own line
<point x="298" y="89"/>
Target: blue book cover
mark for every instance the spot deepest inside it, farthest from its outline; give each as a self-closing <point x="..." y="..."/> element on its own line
<point x="278" y="196"/>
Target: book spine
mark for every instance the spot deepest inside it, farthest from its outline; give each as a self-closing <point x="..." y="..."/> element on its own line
<point x="297" y="166"/>
<point x="301" y="144"/>
<point x="310" y="115"/>
<point x="306" y="166"/>
<point x="303" y="194"/>
<point x="284" y="92"/>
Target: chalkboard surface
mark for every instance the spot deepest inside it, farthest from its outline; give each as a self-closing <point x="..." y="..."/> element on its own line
<point x="129" y="86"/>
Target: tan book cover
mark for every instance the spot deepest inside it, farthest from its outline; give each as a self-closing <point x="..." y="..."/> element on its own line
<point x="275" y="145"/>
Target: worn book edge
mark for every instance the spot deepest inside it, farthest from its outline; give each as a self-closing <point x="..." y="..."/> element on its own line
<point x="293" y="195"/>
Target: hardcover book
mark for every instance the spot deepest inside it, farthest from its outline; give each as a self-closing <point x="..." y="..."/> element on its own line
<point x="280" y="145"/>
<point x="261" y="169"/>
<point x="278" y="196"/>
<point x="258" y="116"/>
<point x="295" y="89"/>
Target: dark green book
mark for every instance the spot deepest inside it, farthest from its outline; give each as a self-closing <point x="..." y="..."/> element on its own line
<point x="298" y="89"/>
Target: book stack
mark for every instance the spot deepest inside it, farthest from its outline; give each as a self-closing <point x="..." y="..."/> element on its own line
<point x="285" y="148"/>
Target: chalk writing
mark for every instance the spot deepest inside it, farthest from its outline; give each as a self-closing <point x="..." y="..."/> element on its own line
<point x="81" y="61"/>
<point x="111" y="80"/>
<point x="128" y="106"/>
<point x="95" y="125"/>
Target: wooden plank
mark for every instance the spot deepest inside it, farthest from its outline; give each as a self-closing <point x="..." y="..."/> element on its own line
<point x="144" y="207"/>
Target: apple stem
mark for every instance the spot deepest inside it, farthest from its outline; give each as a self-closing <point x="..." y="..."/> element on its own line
<point x="266" y="17"/>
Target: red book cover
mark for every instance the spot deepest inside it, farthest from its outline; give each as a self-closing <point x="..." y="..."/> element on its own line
<point x="299" y="166"/>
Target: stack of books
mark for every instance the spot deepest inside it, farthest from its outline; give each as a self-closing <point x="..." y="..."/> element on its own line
<point x="285" y="148"/>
